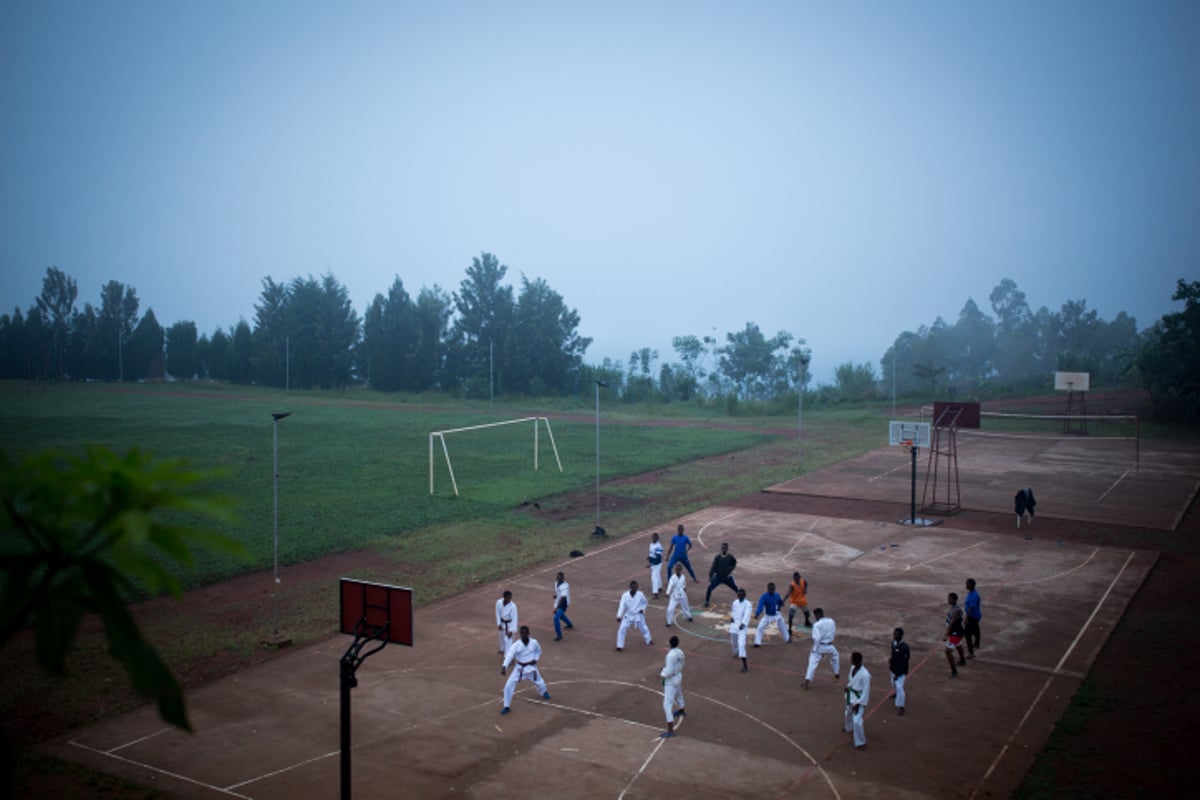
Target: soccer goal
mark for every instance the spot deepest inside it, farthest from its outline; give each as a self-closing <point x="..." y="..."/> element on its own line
<point x="440" y="438"/>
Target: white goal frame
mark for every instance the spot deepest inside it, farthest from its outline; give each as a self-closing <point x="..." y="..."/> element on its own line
<point x="441" y="437"/>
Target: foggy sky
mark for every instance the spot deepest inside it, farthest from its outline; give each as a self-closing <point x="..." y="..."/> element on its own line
<point x="841" y="171"/>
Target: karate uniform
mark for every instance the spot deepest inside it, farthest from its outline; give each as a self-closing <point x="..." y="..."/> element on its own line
<point x="739" y="614"/>
<point x="823" y="633"/>
<point x="632" y="611"/>
<point x="655" y="557"/>
<point x="677" y="597"/>
<point x="672" y="675"/>
<point x="508" y="625"/>
<point x="523" y="658"/>
<point x="858" y="692"/>
<point x="769" y="606"/>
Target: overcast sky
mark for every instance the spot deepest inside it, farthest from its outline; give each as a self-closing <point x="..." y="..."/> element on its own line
<point x="841" y="171"/>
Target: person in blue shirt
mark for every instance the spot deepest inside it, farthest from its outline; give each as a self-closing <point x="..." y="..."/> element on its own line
<point x="973" y="608"/>
<point x="769" y="607"/>
<point x="677" y="553"/>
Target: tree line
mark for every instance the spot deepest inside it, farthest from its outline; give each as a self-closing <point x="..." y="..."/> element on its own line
<point x="490" y="337"/>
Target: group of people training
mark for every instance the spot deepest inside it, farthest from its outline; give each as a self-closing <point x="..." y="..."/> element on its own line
<point x="522" y="652"/>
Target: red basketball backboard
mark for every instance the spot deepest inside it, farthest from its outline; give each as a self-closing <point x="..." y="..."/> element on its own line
<point x="948" y="414"/>
<point x="367" y="606"/>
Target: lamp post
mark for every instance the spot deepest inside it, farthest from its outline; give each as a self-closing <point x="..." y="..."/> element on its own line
<point x="276" y="640"/>
<point x="800" y="414"/>
<point x="598" y="531"/>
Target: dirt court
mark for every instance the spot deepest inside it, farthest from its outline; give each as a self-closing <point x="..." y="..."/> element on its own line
<point x="427" y="722"/>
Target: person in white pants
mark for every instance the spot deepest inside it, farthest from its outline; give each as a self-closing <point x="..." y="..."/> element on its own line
<point x="823" y="633"/>
<point x="507" y="621"/>
<point x="632" y="611"/>
<point x="858" y="696"/>
<point x="739" y="621"/>
<point x="672" y="678"/>
<point x="523" y="654"/>
<point x="677" y="596"/>
<point x="770" y="606"/>
<point x="655" y="559"/>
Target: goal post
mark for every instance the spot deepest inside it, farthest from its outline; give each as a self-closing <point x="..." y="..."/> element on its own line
<point x="440" y="437"/>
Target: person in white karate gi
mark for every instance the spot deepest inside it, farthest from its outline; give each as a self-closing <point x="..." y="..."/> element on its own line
<point x="858" y="696"/>
<point x="523" y="655"/>
<point x="672" y="678"/>
<point x="824" y="631"/>
<point x="677" y="596"/>
<point x="507" y="621"/>
<point x="632" y="611"/>
<point x="655" y="559"/>
<point x="740" y="611"/>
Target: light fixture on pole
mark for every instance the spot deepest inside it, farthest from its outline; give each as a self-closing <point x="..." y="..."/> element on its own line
<point x="598" y="531"/>
<point x="276" y="640"/>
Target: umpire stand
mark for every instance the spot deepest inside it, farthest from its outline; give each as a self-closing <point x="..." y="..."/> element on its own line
<point x="943" y="446"/>
<point x="374" y="614"/>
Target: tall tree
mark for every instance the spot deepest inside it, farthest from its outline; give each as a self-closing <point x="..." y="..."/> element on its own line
<point x="751" y="361"/>
<point x="482" y="329"/>
<point x="115" y="320"/>
<point x="389" y="341"/>
<point x="181" y="350"/>
<point x="546" y="350"/>
<point x="271" y="333"/>
<point x="57" y="304"/>
<point x="238" y="355"/>
<point x="1168" y="361"/>
<point x="145" y="356"/>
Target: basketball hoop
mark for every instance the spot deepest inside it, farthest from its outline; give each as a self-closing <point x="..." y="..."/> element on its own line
<point x="906" y="443"/>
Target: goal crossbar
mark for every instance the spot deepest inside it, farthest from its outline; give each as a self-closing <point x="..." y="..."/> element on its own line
<point x="441" y="437"/>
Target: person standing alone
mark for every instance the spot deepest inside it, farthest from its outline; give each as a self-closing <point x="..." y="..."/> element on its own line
<point x="898" y="667"/>
<point x="562" y="600"/>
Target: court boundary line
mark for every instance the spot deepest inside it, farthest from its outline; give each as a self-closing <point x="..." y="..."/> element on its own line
<point x="1056" y="673"/>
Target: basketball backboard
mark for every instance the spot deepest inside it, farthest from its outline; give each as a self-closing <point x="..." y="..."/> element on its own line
<point x="905" y="431"/>
<point x="948" y="413"/>
<point x="1072" y="381"/>
<point x="368" y="607"/>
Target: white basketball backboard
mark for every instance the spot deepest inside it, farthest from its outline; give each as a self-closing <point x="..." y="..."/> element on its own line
<point x="905" y="431"/>
<point x="1072" y="381"/>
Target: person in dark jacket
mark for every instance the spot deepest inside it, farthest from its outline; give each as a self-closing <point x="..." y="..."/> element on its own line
<point x="721" y="572"/>
<point x="1023" y="504"/>
<point x="898" y="666"/>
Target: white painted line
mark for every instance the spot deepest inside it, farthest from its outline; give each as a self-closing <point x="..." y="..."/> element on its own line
<point x="175" y="775"/>
<point x="138" y="741"/>
<point x="646" y="763"/>
<point x="700" y="533"/>
<point x="945" y="555"/>
<point x="889" y="472"/>
<point x="1060" y="574"/>
<point x="1114" y="485"/>
<point x="1057" y="669"/>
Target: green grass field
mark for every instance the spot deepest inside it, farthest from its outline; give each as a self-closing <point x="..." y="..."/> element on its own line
<point x="354" y="468"/>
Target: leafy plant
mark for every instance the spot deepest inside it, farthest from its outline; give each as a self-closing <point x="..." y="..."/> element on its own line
<point x="82" y="535"/>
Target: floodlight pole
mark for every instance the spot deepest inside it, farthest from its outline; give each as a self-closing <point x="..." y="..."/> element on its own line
<point x="275" y="417"/>
<point x="599" y="384"/>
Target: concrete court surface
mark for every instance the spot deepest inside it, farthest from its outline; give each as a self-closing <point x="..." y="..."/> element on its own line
<point x="1115" y="481"/>
<point x="427" y="722"/>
